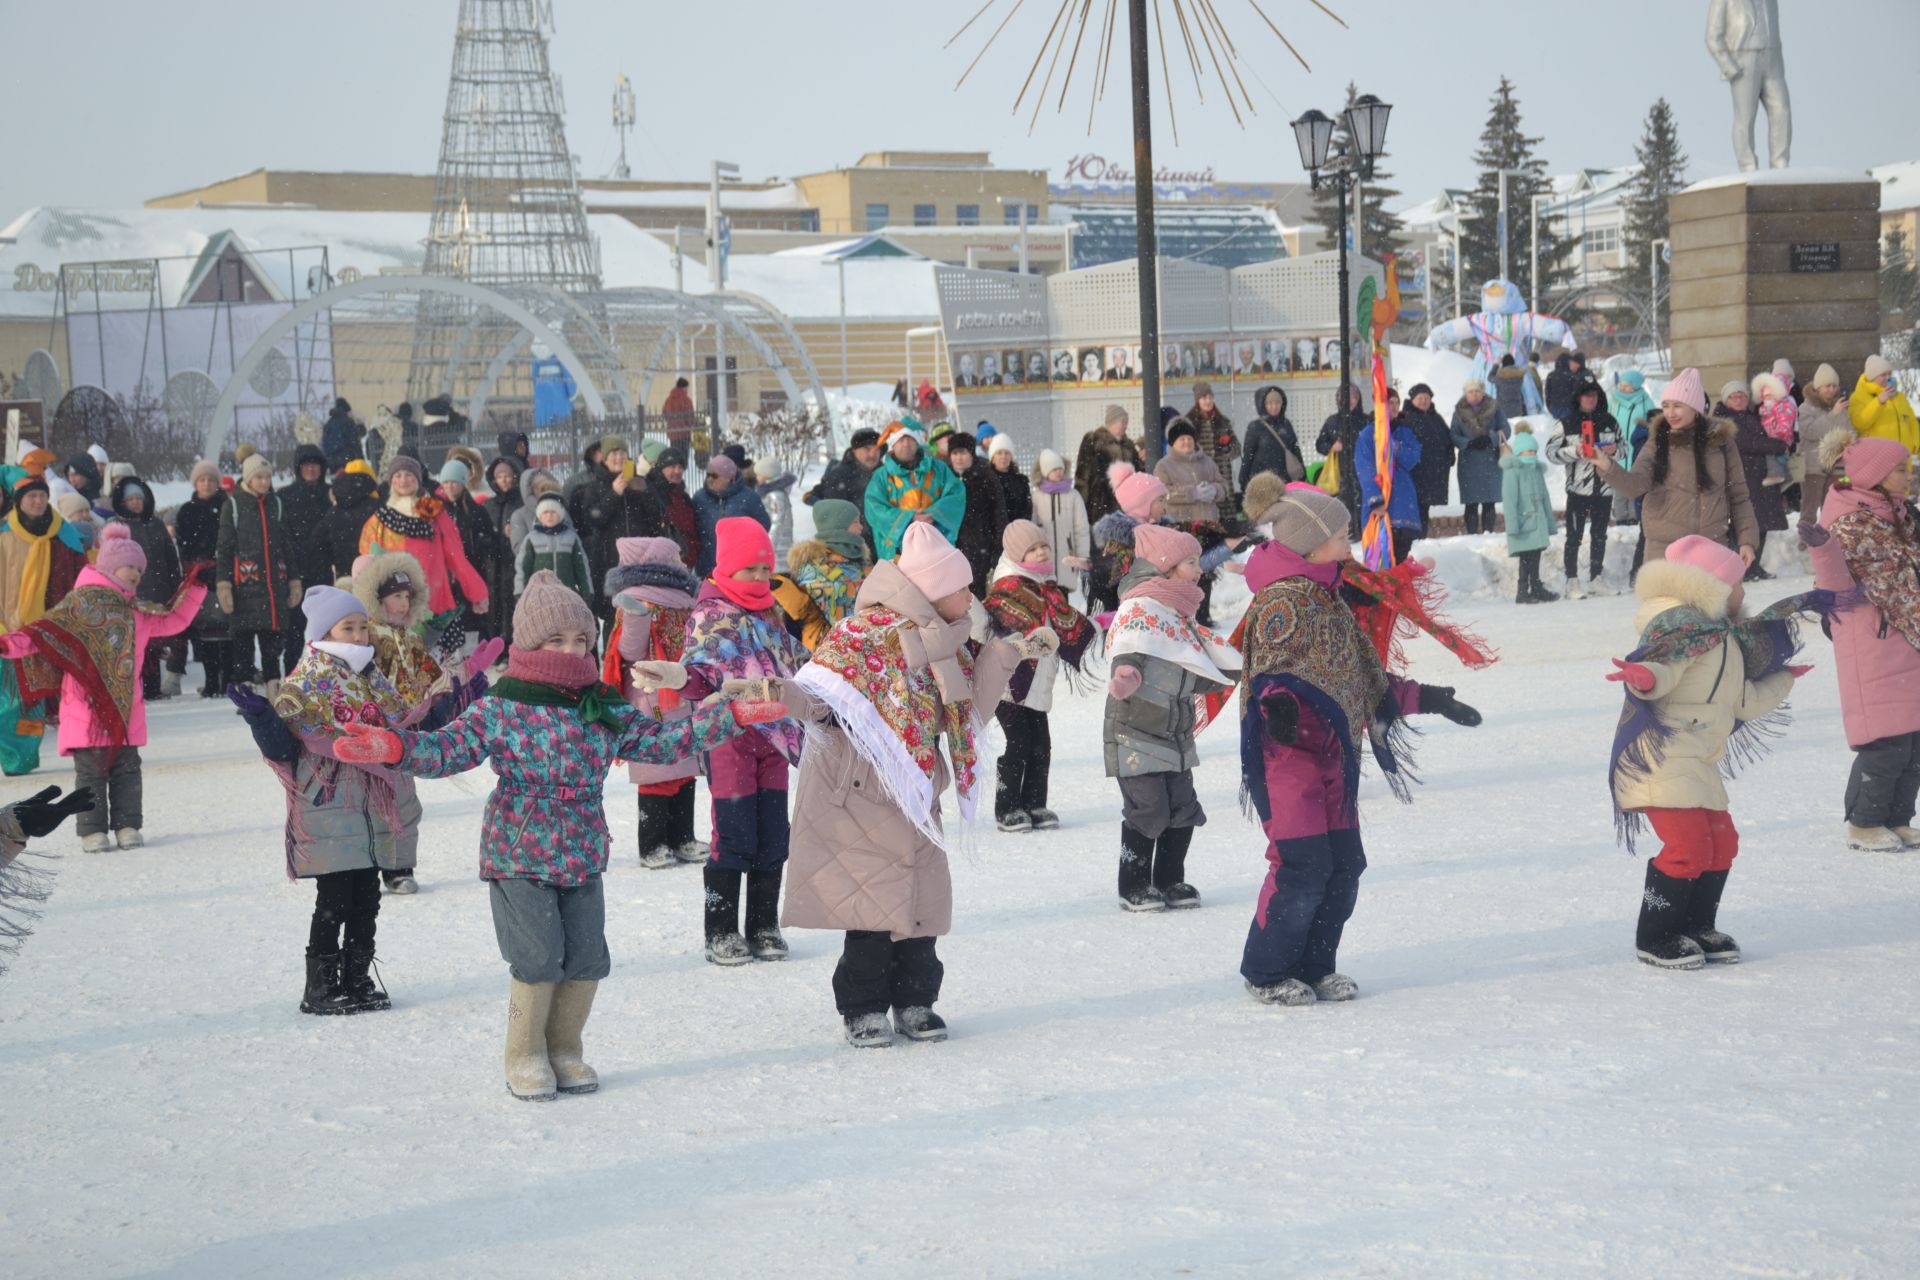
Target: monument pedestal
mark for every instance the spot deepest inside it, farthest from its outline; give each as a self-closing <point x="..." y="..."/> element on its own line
<point x="1782" y="263"/>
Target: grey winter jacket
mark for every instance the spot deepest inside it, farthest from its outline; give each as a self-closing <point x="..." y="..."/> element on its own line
<point x="1152" y="731"/>
<point x="1187" y="500"/>
<point x="1478" y="435"/>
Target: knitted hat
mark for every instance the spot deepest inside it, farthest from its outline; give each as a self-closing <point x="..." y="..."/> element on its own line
<point x="548" y="607"/>
<point x="738" y="453"/>
<point x="1178" y="428"/>
<point x="1825" y="376"/>
<point x="721" y="465"/>
<point x="1769" y="383"/>
<point x="897" y="429"/>
<point x="941" y="430"/>
<point x="1136" y="491"/>
<point x="325" y="607"/>
<point x="652" y="449"/>
<point x="71" y="505"/>
<point x="242" y="453"/>
<point x="401" y="462"/>
<point x="670" y="457"/>
<point x="1001" y="443"/>
<point x="1201" y="389"/>
<point x="203" y="468"/>
<point x="961" y="442"/>
<point x="933" y="564"/>
<point x="1264" y="492"/>
<point x="1710" y="556"/>
<point x="1050" y="462"/>
<point x="1867" y="462"/>
<point x="553" y="500"/>
<point x="454" y="472"/>
<point x="97" y="453"/>
<point x="1733" y="387"/>
<point x="1114" y="414"/>
<point x="1306" y="518"/>
<point x="647" y="550"/>
<point x="119" y="471"/>
<point x="1783" y="369"/>
<point x="1022" y="536"/>
<point x="1877" y="369"/>
<point x="1472" y="384"/>
<point x="609" y="444"/>
<point x="1632" y="378"/>
<point x="29" y="484"/>
<point x="118" y="549"/>
<point x="255" y="465"/>
<point x="740" y="542"/>
<point x="1163" y="548"/>
<point x="359" y="467"/>
<point x="1686" y="389"/>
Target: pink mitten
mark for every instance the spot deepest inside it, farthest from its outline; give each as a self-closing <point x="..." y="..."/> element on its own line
<point x="485" y="655"/>
<point x="1124" y="683"/>
<point x="1797" y="672"/>
<point x="1632" y="673"/>
<point x="746" y="714"/>
<point x="364" y="744"/>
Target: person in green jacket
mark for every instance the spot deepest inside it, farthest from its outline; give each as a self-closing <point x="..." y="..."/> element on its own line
<point x="912" y="485"/>
<point x="553" y="544"/>
<point x="1529" y="510"/>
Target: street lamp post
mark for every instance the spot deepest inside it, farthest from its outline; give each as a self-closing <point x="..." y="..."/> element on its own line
<point x="1654" y="250"/>
<point x="1313" y="132"/>
<point x="1019" y="203"/>
<point x="717" y="277"/>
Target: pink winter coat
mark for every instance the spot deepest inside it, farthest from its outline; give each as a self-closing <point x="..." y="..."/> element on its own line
<point x="1876" y="644"/>
<point x="441" y="558"/>
<point x="77" y="728"/>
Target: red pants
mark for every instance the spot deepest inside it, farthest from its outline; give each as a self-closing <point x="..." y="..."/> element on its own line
<point x="1694" y="841"/>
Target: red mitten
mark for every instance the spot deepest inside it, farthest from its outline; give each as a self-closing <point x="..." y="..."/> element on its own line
<point x="1632" y="673"/>
<point x="364" y="744"/>
<point x="1124" y="683"/>
<point x="1797" y="672"/>
<point x="485" y="654"/>
<point x="747" y="714"/>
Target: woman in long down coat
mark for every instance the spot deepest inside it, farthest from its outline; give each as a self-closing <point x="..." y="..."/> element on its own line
<point x="1479" y="429"/>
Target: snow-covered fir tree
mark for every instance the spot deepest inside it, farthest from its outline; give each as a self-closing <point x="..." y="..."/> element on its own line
<point x="1663" y="171"/>
<point x="1504" y="144"/>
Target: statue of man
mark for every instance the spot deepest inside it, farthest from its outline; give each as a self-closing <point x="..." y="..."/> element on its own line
<point x="1744" y="38"/>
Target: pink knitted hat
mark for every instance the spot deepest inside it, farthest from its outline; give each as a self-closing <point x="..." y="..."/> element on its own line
<point x="1706" y="554"/>
<point x="647" y="550"/>
<point x="1136" y="491"/>
<point x="118" y="549"/>
<point x="1686" y="389"/>
<point x="1163" y="548"/>
<point x="933" y="564"/>
<point x="1868" y="462"/>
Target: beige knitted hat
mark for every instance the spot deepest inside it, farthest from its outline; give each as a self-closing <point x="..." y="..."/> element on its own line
<point x="548" y="607"/>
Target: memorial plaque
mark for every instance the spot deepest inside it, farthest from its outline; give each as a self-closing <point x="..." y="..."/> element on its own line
<point x="1822" y="255"/>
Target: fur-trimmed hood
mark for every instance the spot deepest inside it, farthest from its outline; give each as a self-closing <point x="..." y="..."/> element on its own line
<point x="532" y="476"/>
<point x="811" y="551"/>
<point x="1833" y="445"/>
<point x="1663" y="585"/>
<point x="381" y="565"/>
<point x="1117" y="527"/>
<point x="674" y="577"/>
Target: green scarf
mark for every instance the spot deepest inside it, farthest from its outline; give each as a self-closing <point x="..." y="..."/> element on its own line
<point x="595" y="703"/>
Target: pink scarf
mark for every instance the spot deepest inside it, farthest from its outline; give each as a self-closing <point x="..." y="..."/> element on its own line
<point x="754" y="596"/>
<point x="561" y="670"/>
<point x="1183" y="598"/>
<point x="1274" y="562"/>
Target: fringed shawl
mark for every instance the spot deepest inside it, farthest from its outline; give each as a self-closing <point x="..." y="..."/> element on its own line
<point x="730" y="642"/>
<point x="1020" y="603"/>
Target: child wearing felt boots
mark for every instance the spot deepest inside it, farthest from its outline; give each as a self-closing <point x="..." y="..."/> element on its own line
<point x="1165" y="664"/>
<point x="551" y="730"/>
<point x="885" y="692"/>
<point x="1529" y="511"/>
<point x="1314" y="689"/>
<point x="737" y="631"/>
<point x="653" y="593"/>
<point x="1024" y="598"/>
<point x="1700" y="674"/>
<point x="345" y="822"/>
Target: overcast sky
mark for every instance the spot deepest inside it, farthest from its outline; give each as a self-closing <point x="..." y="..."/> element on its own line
<point x="114" y="102"/>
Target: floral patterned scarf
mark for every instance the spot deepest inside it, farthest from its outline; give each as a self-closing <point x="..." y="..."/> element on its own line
<point x="729" y="642"/>
<point x="89" y="636"/>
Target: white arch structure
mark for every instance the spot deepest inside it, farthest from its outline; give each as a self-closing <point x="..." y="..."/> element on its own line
<point x="529" y="321"/>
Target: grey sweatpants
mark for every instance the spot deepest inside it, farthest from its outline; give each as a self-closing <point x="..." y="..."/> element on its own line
<point x="1884" y="782"/>
<point x="551" y="933"/>
<point x="1153" y="802"/>
<point x="116" y="789"/>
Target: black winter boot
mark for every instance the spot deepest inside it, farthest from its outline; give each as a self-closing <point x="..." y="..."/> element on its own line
<point x="1136" y="872"/>
<point x="323" y="994"/>
<point x="1663" y="911"/>
<point x="656" y="834"/>
<point x="360" y="982"/>
<point x="1170" y="868"/>
<point x="763" y="915"/>
<point x="725" y="946"/>
<point x="1701" y="914"/>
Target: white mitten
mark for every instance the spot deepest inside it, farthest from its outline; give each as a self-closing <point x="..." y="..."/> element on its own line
<point x="1041" y="642"/>
<point x="765" y="689"/>
<point x="653" y="675"/>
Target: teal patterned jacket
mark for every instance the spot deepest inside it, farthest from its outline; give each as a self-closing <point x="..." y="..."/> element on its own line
<point x="545" y="819"/>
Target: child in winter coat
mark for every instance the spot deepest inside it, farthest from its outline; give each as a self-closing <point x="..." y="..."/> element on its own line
<point x="886" y="691"/>
<point x="1023" y="599"/>
<point x="653" y="592"/>
<point x="1529" y="511"/>
<point x="1313" y="691"/>
<point x="1164" y="664"/>
<point x="255" y="583"/>
<point x="1780" y="417"/>
<point x="346" y="819"/>
<point x="1700" y="674"/>
<point x="736" y="631"/>
<point x="1143" y="501"/>
<point x="133" y="507"/>
<point x="1061" y="513"/>
<point x="1867" y="552"/>
<point x="551" y="730"/>
<point x="826" y="570"/>
<point x="89" y="651"/>
<point x="552" y="544"/>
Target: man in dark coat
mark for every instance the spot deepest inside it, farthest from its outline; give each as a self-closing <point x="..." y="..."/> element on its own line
<point x="1271" y="444"/>
<point x="304" y="506"/>
<point x="1100" y="448"/>
<point x="847" y="478"/>
<point x="355" y="498"/>
<point x="513" y="444"/>
<point x="341" y="438"/>
<point x="986" y="517"/>
<point x="1433" y="474"/>
<point x="83" y="473"/>
<point x="668" y="484"/>
<point x="1569" y="371"/>
<point x="196" y="524"/>
<point x="612" y="505"/>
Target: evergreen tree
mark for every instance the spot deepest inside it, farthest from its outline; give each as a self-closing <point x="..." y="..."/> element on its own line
<point x="1899" y="285"/>
<point x="1380" y="231"/>
<point x="1505" y="145"/>
<point x="1663" y="171"/>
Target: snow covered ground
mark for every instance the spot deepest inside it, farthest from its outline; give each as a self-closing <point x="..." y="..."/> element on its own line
<point x="1512" y="1096"/>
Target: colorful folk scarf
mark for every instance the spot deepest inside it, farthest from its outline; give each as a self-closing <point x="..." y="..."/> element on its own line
<point x="893" y="712"/>
<point x="1147" y="627"/>
<point x="1019" y="603"/>
<point x="1394" y="604"/>
<point x="90" y="636"/>
<point x="730" y="642"/>
<point x="1768" y="642"/>
<point x="404" y="660"/>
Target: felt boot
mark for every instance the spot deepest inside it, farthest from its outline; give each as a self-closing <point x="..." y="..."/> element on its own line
<point x="1136" y="872"/>
<point x="763" y="915"/>
<point x="529" y="1074"/>
<point x="725" y="946"/>
<point x="572" y="1002"/>
<point x="1170" y="868"/>
<point x="1702" y="912"/>
<point x="1664" y="905"/>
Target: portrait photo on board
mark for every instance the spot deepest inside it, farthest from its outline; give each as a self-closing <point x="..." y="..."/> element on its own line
<point x="1329" y="355"/>
<point x="1277" y="356"/>
<point x="1093" y="364"/>
<point x="1066" y="367"/>
<point x="1120" y="365"/>
<point x="1246" y="359"/>
<point x="966" y="370"/>
<point x="1306" y="355"/>
<point x="1038" y="372"/>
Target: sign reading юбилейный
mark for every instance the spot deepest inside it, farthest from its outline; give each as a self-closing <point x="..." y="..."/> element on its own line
<point x="1820" y="255"/>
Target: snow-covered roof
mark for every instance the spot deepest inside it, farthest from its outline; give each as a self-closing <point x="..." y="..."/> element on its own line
<point x="1899" y="184"/>
<point x="1436" y="213"/>
<point x="809" y="288"/>
<point x="785" y="196"/>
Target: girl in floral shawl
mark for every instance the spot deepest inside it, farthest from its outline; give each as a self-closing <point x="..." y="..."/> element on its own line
<point x="737" y="631"/>
<point x="891" y="701"/>
<point x="826" y="570"/>
<point x="1315" y="688"/>
<point x="1024" y="598"/>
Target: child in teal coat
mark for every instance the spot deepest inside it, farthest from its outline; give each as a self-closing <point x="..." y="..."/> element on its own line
<point x="1529" y="511"/>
